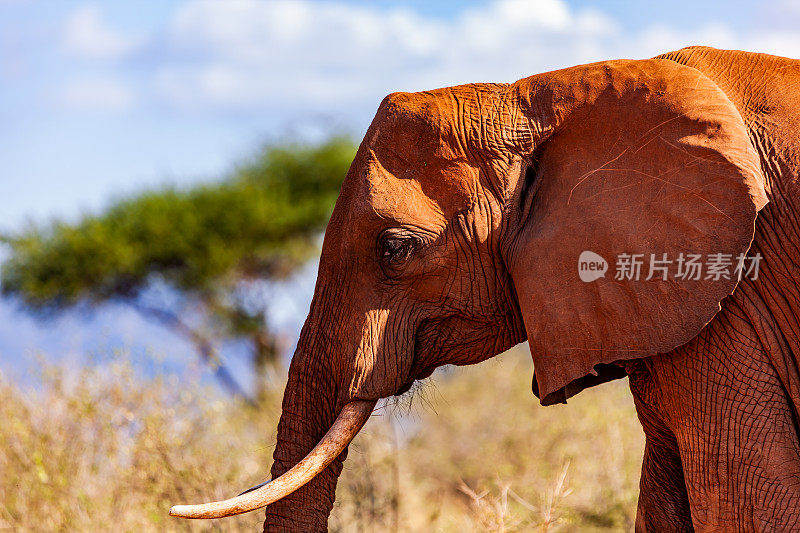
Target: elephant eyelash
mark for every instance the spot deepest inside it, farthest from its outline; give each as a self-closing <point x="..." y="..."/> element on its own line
<point x="394" y="248"/>
<point x="397" y="248"/>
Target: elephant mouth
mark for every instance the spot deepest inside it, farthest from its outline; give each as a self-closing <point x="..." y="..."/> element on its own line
<point x="418" y="375"/>
<point x="424" y="336"/>
<point x="405" y="387"/>
<point x="413" y="372"/>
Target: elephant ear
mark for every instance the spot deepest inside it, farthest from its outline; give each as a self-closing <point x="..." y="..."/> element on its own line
<point x="629" y="161"/>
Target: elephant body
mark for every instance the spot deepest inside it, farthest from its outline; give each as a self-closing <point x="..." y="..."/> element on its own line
<point x="457" y="234"/>
<point x="721" y="413"/>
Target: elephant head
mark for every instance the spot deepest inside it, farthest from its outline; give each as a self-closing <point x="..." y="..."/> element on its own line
<point x="457" y="235"/>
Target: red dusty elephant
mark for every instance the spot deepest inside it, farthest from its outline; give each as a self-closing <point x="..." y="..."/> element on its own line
<point x="462" y="229"/>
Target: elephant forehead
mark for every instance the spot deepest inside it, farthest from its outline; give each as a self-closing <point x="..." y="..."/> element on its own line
<point x="402" y="201"/>
<point x="423" y="192"/>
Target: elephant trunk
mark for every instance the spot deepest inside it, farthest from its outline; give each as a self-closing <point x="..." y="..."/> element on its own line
<point x="309" y="410"/>
<point x="313" y="433"/>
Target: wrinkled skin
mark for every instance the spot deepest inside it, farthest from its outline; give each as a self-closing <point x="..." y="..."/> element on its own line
<point x="456" y="236"/>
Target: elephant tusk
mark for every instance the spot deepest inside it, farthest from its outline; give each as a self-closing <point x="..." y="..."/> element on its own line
<point x="349" y="422"/>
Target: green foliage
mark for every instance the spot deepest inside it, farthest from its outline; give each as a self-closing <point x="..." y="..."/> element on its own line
<point x="261" y="222"/>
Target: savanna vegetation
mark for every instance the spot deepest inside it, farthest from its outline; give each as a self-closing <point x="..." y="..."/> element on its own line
<point x="104" y="449"/>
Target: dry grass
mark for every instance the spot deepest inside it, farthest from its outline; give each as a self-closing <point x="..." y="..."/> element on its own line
<point x="103" y="450"/>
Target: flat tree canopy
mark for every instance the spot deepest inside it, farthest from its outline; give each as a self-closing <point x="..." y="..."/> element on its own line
<point x="260" y="223"/>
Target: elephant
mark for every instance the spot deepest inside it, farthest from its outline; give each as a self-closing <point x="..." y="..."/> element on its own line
<point x="459" y="231"/>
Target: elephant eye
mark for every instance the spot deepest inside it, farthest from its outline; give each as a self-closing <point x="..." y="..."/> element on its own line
<point x="395" y="248"/>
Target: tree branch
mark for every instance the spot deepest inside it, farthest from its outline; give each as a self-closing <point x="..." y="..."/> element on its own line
<point x="201" y="344"/>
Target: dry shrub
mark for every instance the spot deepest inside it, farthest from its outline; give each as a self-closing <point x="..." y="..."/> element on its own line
<point x="103" y="449"/>
<point x="476" y="452"/>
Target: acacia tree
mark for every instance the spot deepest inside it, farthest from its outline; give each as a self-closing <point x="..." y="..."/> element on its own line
<point x="189" y="257"/>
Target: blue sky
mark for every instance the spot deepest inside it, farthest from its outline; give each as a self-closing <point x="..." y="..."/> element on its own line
<point x="100" y="99"/>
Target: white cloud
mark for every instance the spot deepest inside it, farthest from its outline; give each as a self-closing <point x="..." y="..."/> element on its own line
<point x="97" y="94"/>
<point x="87" y="35"/>
<point x="785" y="43"/>
<point x="790" y="6"/>
<point x="301" y="58"/>
<point x="274" y="54"/>
<point x="550" y="14"/>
